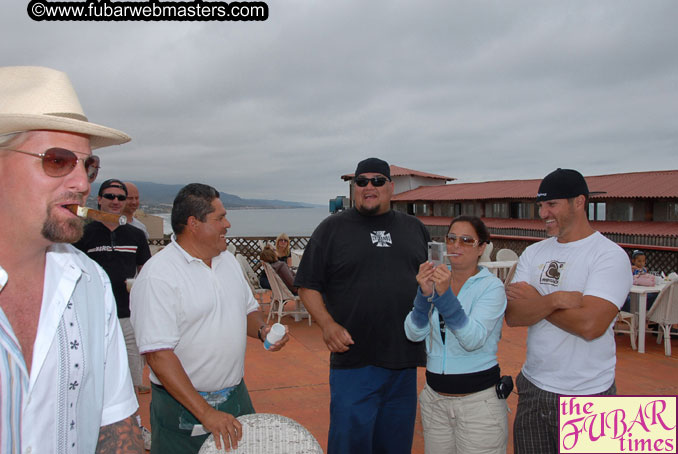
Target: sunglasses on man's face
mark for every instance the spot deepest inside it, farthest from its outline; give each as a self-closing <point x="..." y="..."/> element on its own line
<point x="464" y="240"/>
<point x="59" y="162"/>
<point x="376" y="181"/>
<point x="121" y="197"/>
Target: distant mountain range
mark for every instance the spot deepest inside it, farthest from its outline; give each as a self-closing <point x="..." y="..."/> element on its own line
<point x="163" y="194"/>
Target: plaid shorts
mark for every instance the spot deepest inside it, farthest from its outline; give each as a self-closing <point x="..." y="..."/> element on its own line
<point x="535" y="429"/>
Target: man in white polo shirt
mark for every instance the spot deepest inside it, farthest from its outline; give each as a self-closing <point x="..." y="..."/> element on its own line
<point x="568" y="290"/>
<point x="191" y="311"/>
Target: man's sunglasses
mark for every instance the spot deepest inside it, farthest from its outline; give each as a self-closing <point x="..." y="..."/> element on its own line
<point x="465" y="240"/>
<point x="59" y="162"/>
<point x="376" y="181"/>
<point x="121" y="197"/>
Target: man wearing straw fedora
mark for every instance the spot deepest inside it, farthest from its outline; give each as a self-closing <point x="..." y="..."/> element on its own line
<point x="66" y="386"/>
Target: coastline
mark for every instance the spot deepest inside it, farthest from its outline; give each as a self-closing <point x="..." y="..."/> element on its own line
<point x="267" y="221"/>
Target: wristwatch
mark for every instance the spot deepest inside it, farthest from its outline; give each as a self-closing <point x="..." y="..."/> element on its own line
<point x="259" y="333"/>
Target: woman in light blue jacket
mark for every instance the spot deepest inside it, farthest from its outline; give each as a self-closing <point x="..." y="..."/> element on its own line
<point x="459" y="312"/>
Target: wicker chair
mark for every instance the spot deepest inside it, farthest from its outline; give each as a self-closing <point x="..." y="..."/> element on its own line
<point x="265" y="433"/>
<point x="664" y="312"/>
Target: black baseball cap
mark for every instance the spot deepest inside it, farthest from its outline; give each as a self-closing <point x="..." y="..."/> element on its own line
<point x="562" y="184"/>
<point x="373" y="165"/>
<point x="112" y="183"/>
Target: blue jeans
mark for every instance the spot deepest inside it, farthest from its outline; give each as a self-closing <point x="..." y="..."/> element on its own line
<point x="372" y="410"/>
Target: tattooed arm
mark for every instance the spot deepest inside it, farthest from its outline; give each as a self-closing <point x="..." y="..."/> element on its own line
<point x="120" y="437"/>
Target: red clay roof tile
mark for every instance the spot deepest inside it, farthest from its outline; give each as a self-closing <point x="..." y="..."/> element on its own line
<point x="618" y="227"/>
<point x="397" y="171"/>
<point x="656" y="184"/>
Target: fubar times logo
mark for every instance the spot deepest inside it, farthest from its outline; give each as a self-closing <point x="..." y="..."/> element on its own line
<point x="617" y="424"/>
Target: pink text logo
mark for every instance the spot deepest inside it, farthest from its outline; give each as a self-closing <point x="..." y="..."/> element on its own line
<point x="617" y="424"/>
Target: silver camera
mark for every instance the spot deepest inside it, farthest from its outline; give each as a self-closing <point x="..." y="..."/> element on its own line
<point x="436" y="252"/>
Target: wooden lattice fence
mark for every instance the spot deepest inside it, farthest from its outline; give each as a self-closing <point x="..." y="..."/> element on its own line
<point x="659" y="258"/>
<point x="249" y="246"/>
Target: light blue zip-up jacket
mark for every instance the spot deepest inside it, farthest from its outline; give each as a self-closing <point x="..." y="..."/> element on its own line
<point x="473" y="347"/>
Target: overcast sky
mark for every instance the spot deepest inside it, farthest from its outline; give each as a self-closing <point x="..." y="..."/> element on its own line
<point x="475" y="90"/>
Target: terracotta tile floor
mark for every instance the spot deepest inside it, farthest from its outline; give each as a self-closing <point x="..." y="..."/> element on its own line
<point x="294" y="381"/>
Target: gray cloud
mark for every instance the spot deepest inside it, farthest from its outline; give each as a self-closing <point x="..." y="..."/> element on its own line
<point x="477" y="90"/>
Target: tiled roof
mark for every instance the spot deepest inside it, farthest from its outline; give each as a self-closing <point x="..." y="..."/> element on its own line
<point x="397" y="171"/>
<point x="656" y="184"/>
<point x="618" y="227"/>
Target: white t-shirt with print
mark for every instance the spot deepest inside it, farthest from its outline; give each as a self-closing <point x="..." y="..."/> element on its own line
<point x="558" y="361"/>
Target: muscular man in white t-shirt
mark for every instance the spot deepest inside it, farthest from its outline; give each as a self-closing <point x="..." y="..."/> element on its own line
<point x="568" y="290"/>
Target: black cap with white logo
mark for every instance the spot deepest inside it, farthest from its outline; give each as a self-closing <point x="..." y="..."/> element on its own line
<point x="562" y="184"/>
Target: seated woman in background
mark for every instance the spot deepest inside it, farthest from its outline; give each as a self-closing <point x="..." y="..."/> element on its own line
<point x="460" y="407"/>
<point x="282" y="249"/>
<point x="269" y="256"/>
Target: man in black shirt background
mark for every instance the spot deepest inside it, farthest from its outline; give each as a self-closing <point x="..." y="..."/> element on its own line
<point x="121" y="250"/>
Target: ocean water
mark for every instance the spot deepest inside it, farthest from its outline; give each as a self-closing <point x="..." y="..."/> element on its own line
<point x="269" y="222"/>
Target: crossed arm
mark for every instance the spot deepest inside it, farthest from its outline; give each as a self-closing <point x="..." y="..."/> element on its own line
<point x="582" y="315"/>
<point x="120" y="437"/>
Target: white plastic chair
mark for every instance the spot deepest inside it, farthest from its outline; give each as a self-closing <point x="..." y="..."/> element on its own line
<point x="252" y="279"/>
<point x="486" y="253"/>
<point x="265" y="433"/>
<point x="296" y="257"/>
<point x="510" y="273"/>
<point x="506" y="255"/>
<point x="630" y="320"/>
<point x="664" y="312"/>
<point x="263" y="243"/>
<point x="231" y="248"/>
<point x="281" y="295"/>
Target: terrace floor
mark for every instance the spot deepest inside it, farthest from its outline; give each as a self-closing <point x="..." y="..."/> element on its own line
<point x="294" y="381"/>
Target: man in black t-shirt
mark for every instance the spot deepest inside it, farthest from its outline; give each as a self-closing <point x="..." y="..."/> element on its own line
<point x="357" y="279"/>
<point x="121" y="250"/>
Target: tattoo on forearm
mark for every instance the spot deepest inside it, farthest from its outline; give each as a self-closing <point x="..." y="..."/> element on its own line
<point x="120" y="437"/>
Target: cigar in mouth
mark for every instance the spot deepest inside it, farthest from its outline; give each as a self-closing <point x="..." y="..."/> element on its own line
<point x="97" y="215"/>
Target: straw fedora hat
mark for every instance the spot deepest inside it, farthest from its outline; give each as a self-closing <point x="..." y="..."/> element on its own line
<point x="37" y="98"/>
